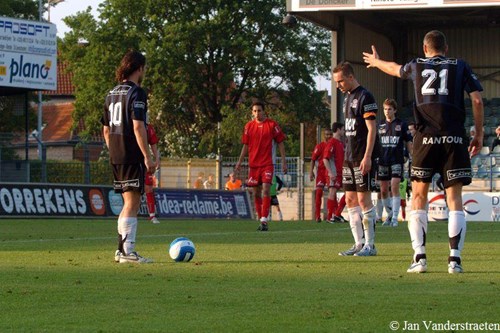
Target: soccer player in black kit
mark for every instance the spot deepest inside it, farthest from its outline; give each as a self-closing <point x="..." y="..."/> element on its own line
<point x="124" y="129"/>
<point x="360" y="111"/>
<point x="394" y="136"/>
<point x="440" y="143"/>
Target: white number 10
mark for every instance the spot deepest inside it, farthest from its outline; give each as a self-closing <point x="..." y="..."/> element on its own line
<point x="115" y="114"/>
<point x="431" y="76"/>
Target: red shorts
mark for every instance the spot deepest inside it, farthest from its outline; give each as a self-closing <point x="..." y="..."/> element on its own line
<point x="258" y="176"/>
<point x="335" y="182"/>
<point x="322" y="179"/>
<point x="149" y="180"/>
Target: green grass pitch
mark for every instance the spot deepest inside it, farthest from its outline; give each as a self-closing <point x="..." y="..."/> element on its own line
<point x="58" y="275"/>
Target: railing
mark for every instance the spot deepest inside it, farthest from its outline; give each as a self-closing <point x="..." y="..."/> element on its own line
<point x="181" y="173"/>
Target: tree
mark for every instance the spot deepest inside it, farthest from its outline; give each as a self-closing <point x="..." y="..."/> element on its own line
<point x="21" y="9"/>
<point x="206" y="60"/>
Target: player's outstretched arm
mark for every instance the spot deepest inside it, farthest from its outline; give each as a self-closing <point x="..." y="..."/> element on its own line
<point x="373" y="60"/>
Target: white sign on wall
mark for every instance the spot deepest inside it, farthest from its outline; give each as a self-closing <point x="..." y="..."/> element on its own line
<point x="28" y="54"/>
<point x="317" y="5"/>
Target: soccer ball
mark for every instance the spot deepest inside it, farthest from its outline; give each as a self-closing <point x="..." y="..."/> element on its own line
<point x="182" y="249"/>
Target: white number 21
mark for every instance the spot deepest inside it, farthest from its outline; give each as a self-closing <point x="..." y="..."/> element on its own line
<point x="431" y="76"/>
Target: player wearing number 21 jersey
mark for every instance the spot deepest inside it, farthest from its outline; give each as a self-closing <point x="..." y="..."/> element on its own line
<point x="440" y="143"/>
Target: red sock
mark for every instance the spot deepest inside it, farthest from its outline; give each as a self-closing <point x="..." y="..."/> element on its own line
<point x="335" y="205"/>
<point x="341" y="206"/>
<point x="329" y="205"/>
<point x="258" y="206"/>
<point x="403" y="206"/>
<point x="319" y="199"/>
<point x="266" y="204"/>
<point x="150" y="200"/>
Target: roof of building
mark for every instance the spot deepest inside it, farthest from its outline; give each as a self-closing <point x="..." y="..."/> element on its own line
<point x="65" y="85"/>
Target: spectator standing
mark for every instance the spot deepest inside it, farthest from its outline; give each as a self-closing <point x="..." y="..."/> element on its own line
<point x="233" y="183"/>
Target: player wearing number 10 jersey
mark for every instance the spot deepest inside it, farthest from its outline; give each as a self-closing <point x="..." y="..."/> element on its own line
<point x="440" y="144"/>
<point x="124" y="129"/>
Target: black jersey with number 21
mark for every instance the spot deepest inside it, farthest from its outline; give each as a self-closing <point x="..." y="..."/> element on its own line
<point x="439" y="84"/>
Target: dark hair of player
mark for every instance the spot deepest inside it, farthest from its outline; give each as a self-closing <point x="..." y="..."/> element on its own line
<point x="337" y="126"/>
<point x="436" y="41"/>
<point x="257" y="102"/>
<point x="391" y="102"/>
<point x="132" y="61"/>
<point x="345" y="67"/>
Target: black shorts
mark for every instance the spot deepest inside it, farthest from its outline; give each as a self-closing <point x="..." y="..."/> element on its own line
<point x="387" y="172"/>
<point x="274" y="200"/>
<point x="446" y="155"/>
<point x="353" y="180"/>
<point x="128" y="177"/>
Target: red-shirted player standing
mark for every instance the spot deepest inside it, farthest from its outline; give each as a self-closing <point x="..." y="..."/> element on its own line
<point x="259" y="139"/>
<point x="333" y="158"/>
<point x="321" y="174"/>
<point x="149" y="180"/>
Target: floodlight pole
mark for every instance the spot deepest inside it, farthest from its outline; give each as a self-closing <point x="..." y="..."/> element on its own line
<point x="40" y="105"/>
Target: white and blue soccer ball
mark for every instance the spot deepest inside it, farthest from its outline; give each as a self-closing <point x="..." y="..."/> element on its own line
<point x="182" y="249"/>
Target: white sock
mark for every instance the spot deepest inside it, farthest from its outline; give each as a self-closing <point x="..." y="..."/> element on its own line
<point x="356" y="225"/>
<point x="369" y="226"/>
<point x="128" y="232"/>
<point x="457" y="227"/>
<point x="380" y="209"/>
<point x="387" y="206"/>
<point x="396" y="205"/>
<point x="417" y="226"/>
<point x="280" y="215"/>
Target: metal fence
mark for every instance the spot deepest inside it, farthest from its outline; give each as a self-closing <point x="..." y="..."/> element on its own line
<point x="181" y="173"/>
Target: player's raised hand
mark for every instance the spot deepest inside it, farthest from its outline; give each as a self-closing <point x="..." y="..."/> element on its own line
<point x="369" y="58"/>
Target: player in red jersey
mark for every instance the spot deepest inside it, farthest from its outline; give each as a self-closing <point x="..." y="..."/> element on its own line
<point x="333" y="158"/>
<point x="321" y="175"/>
<point x="259" y="139"/>
<point x="149" y="181"/>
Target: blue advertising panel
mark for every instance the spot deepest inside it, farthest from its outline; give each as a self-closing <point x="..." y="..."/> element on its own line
<point x="45" y="200"/>
<point x="176" y="203"/>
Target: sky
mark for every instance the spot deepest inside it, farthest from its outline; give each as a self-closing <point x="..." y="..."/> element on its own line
<point x="71" y="7"/>
<point x="68" y="8"/>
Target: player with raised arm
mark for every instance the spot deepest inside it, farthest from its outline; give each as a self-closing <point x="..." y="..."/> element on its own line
<point x="440" y="142"/>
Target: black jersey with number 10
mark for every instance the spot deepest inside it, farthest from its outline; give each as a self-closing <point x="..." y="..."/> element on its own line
<point x="439" y="84"/>
<point x="124" y="104"/>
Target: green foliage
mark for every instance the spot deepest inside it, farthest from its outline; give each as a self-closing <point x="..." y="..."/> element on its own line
<point x="205" y="60"/>
<point x="61" y="272"/>
<point x="21" y="9"/>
